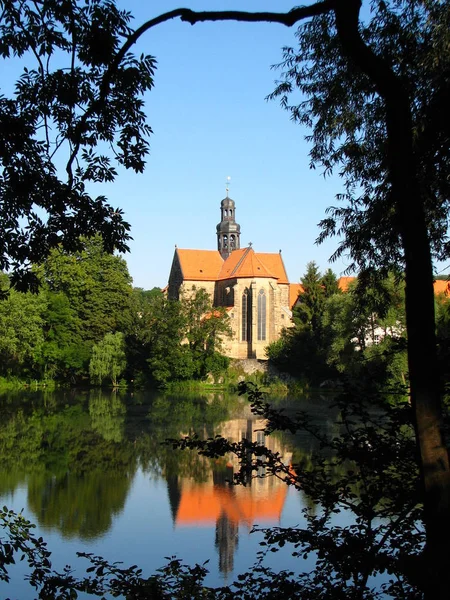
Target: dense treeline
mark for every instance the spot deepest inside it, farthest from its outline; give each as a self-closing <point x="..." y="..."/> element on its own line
<point x="359" y="334"/>
<point x="88" y="323"/>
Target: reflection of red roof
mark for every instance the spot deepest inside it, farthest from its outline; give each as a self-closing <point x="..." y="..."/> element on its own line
<point x="203" y="504"/>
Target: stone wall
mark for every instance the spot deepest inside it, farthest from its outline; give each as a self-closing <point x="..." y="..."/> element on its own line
<point x="229" y="293"/>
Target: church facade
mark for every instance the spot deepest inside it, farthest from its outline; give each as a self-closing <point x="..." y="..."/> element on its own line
<point x="253" y="286"/>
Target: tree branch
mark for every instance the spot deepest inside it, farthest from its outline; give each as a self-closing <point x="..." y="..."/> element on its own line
<point x="190" y="16"/>
<point x="435" y="123"/>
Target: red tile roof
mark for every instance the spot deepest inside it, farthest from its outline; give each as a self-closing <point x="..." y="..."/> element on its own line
<point x="344" y="282"/>
<point x="245" y="263"/>
<point x="208" y="265"/>
<point x="274" y="262"/>
<point x="441" y="287"/>
<point x="200" y="265"/>
<point x="295" y="289"/>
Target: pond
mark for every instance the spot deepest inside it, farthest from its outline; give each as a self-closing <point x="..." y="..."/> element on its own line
<point x="91" y="470"/>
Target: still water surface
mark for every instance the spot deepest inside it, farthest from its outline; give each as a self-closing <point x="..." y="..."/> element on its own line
<point x="90" y="469"/>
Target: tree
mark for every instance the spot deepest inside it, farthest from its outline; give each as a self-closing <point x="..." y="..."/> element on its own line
<point x="303" y="350"/>
<point x="80" y="97"/>
<point x="330" y="283"/>
<point x="363" y="332"/>
<point x="139" y="334"/>
<point x="169" y="356"/>
<point x="108" y="359"/>
<point x="185" y="336"/>
<point x="207" y="325"/>
<point x="393" y="154"/>
<point x="64" y="353"/>
<point x="310" y="303"/>
<point x="97" y="285"/>
<point x="21" y="331"/>
<point x="342" y="333"/>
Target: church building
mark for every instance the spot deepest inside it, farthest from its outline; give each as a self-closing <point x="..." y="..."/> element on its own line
<point x="253" y="286"/>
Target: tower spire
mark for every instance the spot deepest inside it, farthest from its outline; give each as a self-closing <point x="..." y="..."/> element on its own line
<point x="228" y="231"/>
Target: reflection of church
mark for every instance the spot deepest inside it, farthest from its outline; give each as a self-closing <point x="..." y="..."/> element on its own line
<point x="217" y="502"/>
<point x="254" y="287"/>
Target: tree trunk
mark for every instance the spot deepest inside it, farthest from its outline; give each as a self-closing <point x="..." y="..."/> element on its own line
<point x="420" y="319"/>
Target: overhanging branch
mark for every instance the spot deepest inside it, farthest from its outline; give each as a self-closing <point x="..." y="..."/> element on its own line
<point x="288" y="19"/>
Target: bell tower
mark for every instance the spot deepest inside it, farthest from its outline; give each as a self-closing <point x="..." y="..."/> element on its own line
<point x="228" y="231"/>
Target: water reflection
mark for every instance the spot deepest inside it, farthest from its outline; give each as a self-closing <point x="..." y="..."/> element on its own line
<point x="77" y="456"/>
<point x="216" y="502"/>
<point x="107" y="415"/>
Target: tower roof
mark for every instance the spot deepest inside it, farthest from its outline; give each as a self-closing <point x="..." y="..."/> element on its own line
<point x="227" y="203"/>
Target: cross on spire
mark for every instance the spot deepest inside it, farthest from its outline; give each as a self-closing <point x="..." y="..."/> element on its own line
<point x="227" y="185"/>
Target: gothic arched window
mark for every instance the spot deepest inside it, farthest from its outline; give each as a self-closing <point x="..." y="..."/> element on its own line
<point x="246" y="317"/>
<point x="232" y="242"/>
<point x="262" y="315"/>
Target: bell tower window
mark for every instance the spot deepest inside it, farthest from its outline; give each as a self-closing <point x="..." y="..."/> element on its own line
<point x="228" y="231"/>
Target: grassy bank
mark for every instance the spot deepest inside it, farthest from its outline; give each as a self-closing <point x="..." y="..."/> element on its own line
<point x="229" y="381"/>
<point x="14" y="383"/>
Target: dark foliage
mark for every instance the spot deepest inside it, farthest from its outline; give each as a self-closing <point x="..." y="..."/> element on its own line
<point x="72" y="105"/>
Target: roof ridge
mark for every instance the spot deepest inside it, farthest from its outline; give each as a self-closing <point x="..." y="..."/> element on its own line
<point x="179" y="261"/>
<point x="241" y="260"/>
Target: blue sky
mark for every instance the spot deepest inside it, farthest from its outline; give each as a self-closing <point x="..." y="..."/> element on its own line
<point x="211" y="120"/>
